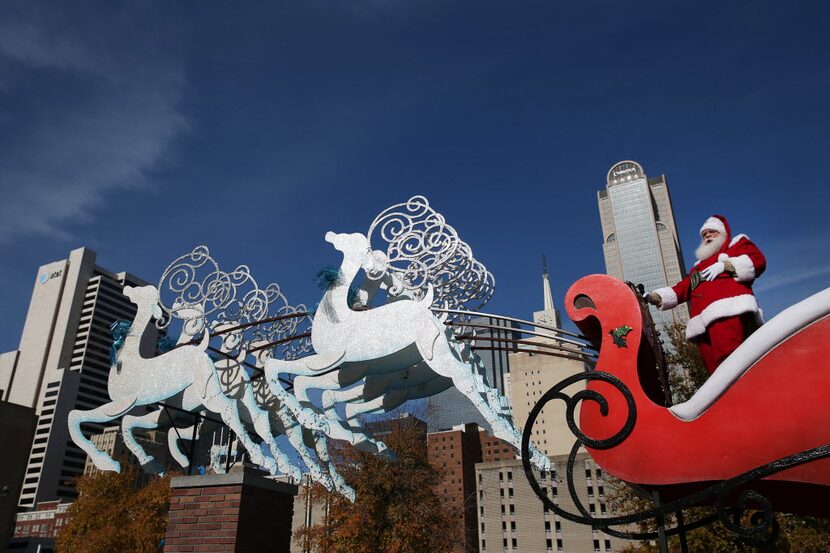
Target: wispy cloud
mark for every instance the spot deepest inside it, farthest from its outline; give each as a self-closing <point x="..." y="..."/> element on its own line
<point x="94" y="111"/>
<point x="791" y="277"/>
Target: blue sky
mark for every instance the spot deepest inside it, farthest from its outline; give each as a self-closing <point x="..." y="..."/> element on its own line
<point x="143" y="129"/>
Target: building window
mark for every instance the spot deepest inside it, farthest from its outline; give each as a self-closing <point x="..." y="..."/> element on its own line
<point x="514" y="542"/>
<point x="608" y="545"/>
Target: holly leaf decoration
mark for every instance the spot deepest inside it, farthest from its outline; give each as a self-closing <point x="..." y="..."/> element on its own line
<point x="619" y="334"/>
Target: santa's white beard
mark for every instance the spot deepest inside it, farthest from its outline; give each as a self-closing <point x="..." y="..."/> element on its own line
<point x="710" y="248"/>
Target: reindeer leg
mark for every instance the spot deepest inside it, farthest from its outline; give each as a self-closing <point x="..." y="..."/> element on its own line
<point x="332" y="397"/>
<point x="447" y="364"/>
<point x="128" y="423"/>
<point x="104" y="413"/>
<point x="340" y="484"/>
<point x="294" y="432"/>
<point x="176" y="452"/>
<point x="303" y="383"/>
<point x="262" y="425"/>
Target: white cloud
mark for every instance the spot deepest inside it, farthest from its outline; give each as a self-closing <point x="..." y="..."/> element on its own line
<point x="95" y="116"/>
<point x="767" y="283"/>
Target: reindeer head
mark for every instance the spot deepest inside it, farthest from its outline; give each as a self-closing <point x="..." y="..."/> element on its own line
<point x="146" y="297"/>
<point x="354" y="246"/>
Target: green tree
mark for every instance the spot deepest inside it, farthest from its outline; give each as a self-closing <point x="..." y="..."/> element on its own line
<point x="798" y="534"/>
<point x="396" y="510"/>
<point x="113" y="513"/>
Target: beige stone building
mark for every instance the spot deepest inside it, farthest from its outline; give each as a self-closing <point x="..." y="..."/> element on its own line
<point x="513" y="519"/>
<point x="63" y="363"/>
<point x="534" y="373"/>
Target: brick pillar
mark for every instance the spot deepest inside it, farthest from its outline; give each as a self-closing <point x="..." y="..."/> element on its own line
<point x="240" y="512"/>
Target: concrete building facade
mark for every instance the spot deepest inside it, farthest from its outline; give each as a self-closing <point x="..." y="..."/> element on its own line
<point x="534" y="373"/>
<point x="63" y="363"/>
<point x="639" y="236"/>
<point x="512" y="518"/>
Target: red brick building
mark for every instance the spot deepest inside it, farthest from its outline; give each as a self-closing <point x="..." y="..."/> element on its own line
<point x="496" y="449"/>
<point x="39" y="527"/>
<point x="456" y="452"/>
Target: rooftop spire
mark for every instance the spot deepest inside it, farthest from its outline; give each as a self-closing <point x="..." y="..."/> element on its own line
<point x="548" y="296"/>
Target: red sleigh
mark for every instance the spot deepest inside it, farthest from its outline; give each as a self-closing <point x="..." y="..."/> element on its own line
<point x="768" y="401"/>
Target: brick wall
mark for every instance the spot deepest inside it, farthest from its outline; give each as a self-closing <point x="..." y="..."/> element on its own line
<point x="240" y="512"/>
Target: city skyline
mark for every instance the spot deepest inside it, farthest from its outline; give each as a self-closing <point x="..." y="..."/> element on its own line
<point x="142" y="132"/>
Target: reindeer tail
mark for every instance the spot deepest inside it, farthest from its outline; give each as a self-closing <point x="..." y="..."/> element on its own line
<point x="429" y="296"/>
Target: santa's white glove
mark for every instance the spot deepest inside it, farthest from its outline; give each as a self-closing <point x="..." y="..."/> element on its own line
<point x="712" y="271"/>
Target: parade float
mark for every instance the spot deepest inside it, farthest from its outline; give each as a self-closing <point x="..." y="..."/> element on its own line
<point x="396" y="321"/>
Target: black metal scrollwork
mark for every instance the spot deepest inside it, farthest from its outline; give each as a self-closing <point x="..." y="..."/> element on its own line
<point x="762" y="529"/>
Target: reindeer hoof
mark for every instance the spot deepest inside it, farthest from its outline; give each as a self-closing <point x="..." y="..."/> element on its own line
<point x="151" y="466"/>
<point x="105" y="462"/>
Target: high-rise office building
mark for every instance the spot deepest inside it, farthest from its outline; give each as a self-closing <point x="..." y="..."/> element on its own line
<point x="639" y="238"/>
<point x="63" y="363"/>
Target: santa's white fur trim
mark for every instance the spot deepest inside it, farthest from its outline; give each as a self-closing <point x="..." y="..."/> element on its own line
<point x="736" y="239"/>
<point x="668" y="297"/>
<point x="726" y="307"/>
<point x="744" y="269"/>
<point x="787" y="323"/>
<point x="713" y="223"/>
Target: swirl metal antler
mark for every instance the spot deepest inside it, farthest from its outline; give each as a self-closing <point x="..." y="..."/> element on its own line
<point x="423" y="249"/>
<point x="201" y="291"/>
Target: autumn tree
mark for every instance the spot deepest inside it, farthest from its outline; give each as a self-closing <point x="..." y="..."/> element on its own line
<point x="114" y="513"/>
<point x="797" y="533"/>
<point x="396" y="510"/>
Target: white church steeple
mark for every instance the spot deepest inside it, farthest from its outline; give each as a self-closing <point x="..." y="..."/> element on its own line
<point x="549" y="315"/>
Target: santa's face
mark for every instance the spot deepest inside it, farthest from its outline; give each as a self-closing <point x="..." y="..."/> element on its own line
<point x="710" y="244"/>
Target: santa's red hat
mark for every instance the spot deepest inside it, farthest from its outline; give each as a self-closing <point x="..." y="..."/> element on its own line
<point x="716" y="222"/>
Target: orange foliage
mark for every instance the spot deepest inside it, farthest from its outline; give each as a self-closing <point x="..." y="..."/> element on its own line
<point x="113" y="514"/>
<point x="396" y="511"/>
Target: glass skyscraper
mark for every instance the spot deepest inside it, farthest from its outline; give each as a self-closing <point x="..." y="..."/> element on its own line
<point x="640" y="240"/>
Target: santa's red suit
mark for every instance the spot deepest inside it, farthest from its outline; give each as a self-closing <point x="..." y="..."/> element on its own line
<point x="723" y="310"/>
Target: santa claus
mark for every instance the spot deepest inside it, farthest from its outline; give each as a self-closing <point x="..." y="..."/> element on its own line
<point x="723" y="308"/>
